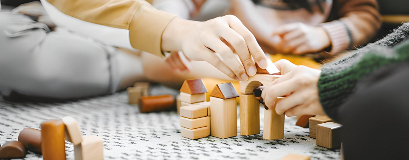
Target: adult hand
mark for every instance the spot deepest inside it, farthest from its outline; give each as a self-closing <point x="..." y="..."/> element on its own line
<point x="200" y="41"/>
<point x="299" y="38"/>
<point x="299" y="85"/>
<point x="37" y="11"/>
<point x="178" y="61"/>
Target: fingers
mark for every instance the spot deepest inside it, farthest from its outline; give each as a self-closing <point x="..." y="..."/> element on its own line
<point x="213" y="59"/>
<point x="290" y="46"/>
<point x="250" y="40"/>
<point x="285" y="29"/>
<point x="239" y="45"/>
<point x="289" y="102"/>
<point x="285" y="66"/>
<point x="302" y="49"/>
<point x="227" y="55"/>
<point x="280" y="90"/>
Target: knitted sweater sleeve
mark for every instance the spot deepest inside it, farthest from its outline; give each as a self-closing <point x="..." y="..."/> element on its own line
<point x="338" y="79"/>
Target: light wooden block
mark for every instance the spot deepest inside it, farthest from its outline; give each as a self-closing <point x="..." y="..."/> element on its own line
<point x="72" y="130"/>
<point x="144" y="87"/>
<point x="205" y="104"/>
<point x="314" y="121"/>
<point x="194" y="111"/>
<point x="178" y="104"/>
<point x="192" y="98"/>
<point x="195" y="133"/>
<point x="134" y="95"/>
<point x="254" y="82"/>
<point x="249" y="115"/>
<point x="328" y="135"/>
<point x="194" y="123"/>
<point x="273" y="123"/>
<point x="224" y="117"/>
<point x="295" y="157"/>
<point x="91" y="148"/>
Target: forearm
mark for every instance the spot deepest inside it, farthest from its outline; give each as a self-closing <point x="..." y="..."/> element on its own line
<point x="338" y="80"/>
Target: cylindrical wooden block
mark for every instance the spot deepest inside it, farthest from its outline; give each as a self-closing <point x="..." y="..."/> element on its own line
<point x="53" y="142"/>
<point x="156" y="103"/>
<point x="273" y="123"/>
<point x="13" y="150"/>
<point x="31" y="139"/>
<point x="249" y="115"/>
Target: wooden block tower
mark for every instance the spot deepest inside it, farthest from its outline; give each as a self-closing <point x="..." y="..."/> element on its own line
<point x="193" y="91"/>
<point x="223" y="108"/>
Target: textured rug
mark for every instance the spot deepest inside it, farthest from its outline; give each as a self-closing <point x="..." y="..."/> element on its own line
<point x="128" y="134"/>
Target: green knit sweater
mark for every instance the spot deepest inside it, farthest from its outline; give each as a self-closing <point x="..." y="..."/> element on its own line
<point x="338" y="79"/>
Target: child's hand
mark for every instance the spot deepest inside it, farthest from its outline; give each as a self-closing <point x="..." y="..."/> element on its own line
<point x="299" y="85"/>
<point x="178" y="61"/>
<point x="299" y="38"/>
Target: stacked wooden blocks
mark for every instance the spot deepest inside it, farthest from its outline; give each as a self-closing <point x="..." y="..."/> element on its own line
<point x="194" y="111"/>
<point x="223" y="108"/>
<point x="314" y="121"/>
<point x="328" y="135"/>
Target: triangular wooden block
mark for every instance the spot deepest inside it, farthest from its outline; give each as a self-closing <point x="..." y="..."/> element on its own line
<point x="260" y="70"/>
<point x="193" y="86"/>
<point x="12" y="149"/>
<point x="224" y="91"/>
<point x="72" y="130"/>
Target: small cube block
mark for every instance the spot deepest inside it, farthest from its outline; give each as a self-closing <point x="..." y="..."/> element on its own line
<point x="194" y="123"/>
<point x="195" y="133"/>
<point x="194" y="111"/>
<point x="72" y="130"/>
<point x="91" y="148"/>
<point x="328" y="135"/>
<point x="314" y="121"/>
<point x="295" y="157"/>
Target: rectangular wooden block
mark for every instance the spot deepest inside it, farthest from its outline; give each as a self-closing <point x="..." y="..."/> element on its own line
<point x="249" y="115"/>
<point x="273" y="124"/>
<point x="314" y="121"/>
<point x="194" y="123"/>
<point x="328" y="135"/>
<point x="303" y="120"/>
<point x="72" y="130"/>
<point x="178" y="104"/>
<point x="134" y="95"/>
<point x="194" y="111"/>
<point x="192" y="98"/>
<point x="195" y="133"/>
<point x="224" y="117"/>
<point x="295" y="157"/>
<point x="53" y="140"/>
<point x="91" y="148"/>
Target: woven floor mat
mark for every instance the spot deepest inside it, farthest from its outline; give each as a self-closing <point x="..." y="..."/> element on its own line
<point x="128" y="134"/>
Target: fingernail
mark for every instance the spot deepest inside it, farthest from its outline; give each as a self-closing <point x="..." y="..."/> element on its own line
<point x="263" y="64"/>
<point x="244" y="77"/>
<point x="252" y="71"/>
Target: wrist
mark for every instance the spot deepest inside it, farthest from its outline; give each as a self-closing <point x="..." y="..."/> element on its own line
<point x="325" y="37"/>
<point x="174" y="34"/>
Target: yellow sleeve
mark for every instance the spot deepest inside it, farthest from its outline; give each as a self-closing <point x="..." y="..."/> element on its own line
<point x="145" y="23"/>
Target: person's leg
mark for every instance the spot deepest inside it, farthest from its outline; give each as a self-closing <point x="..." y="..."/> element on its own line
<point x="376" y="118"/>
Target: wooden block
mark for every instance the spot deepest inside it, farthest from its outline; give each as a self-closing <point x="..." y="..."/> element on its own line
<point x="194" y="123"/>
<point x="144" y="87"/>
<point x="224" y="91"/>
<point x="72" y="130"/>
<point x="314" y="121"/>
<point x="256" y="81"/>
<point x="224" y="117"/>
<point x="273" y="123"/>
<point x="134" y="95"/>
<point x="303" y="121"/>
<point x="91" y="148"/>
<point x="260" y="70"/>
<point x="249" y="115"/>
<point x="12" y="150"/>
<point x="31" y="139"/>
<point x="156" y="103"/>
<point x="193" y="86"/>
<point x="295" y="157"/>
<point x="271" y="69"/>
<point x="194" y="111"/>
<point x="195" y="133"/>
<point x="53" y="140"/>
<point x="328" y="135"/>
<point x="178" y="104"/>
<point x="183" y="104"/>
<point x="192" y="98"/>
<point x="342" y="152"/>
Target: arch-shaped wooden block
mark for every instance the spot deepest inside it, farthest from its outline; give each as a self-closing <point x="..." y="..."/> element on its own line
<point x="247" y="87"/>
